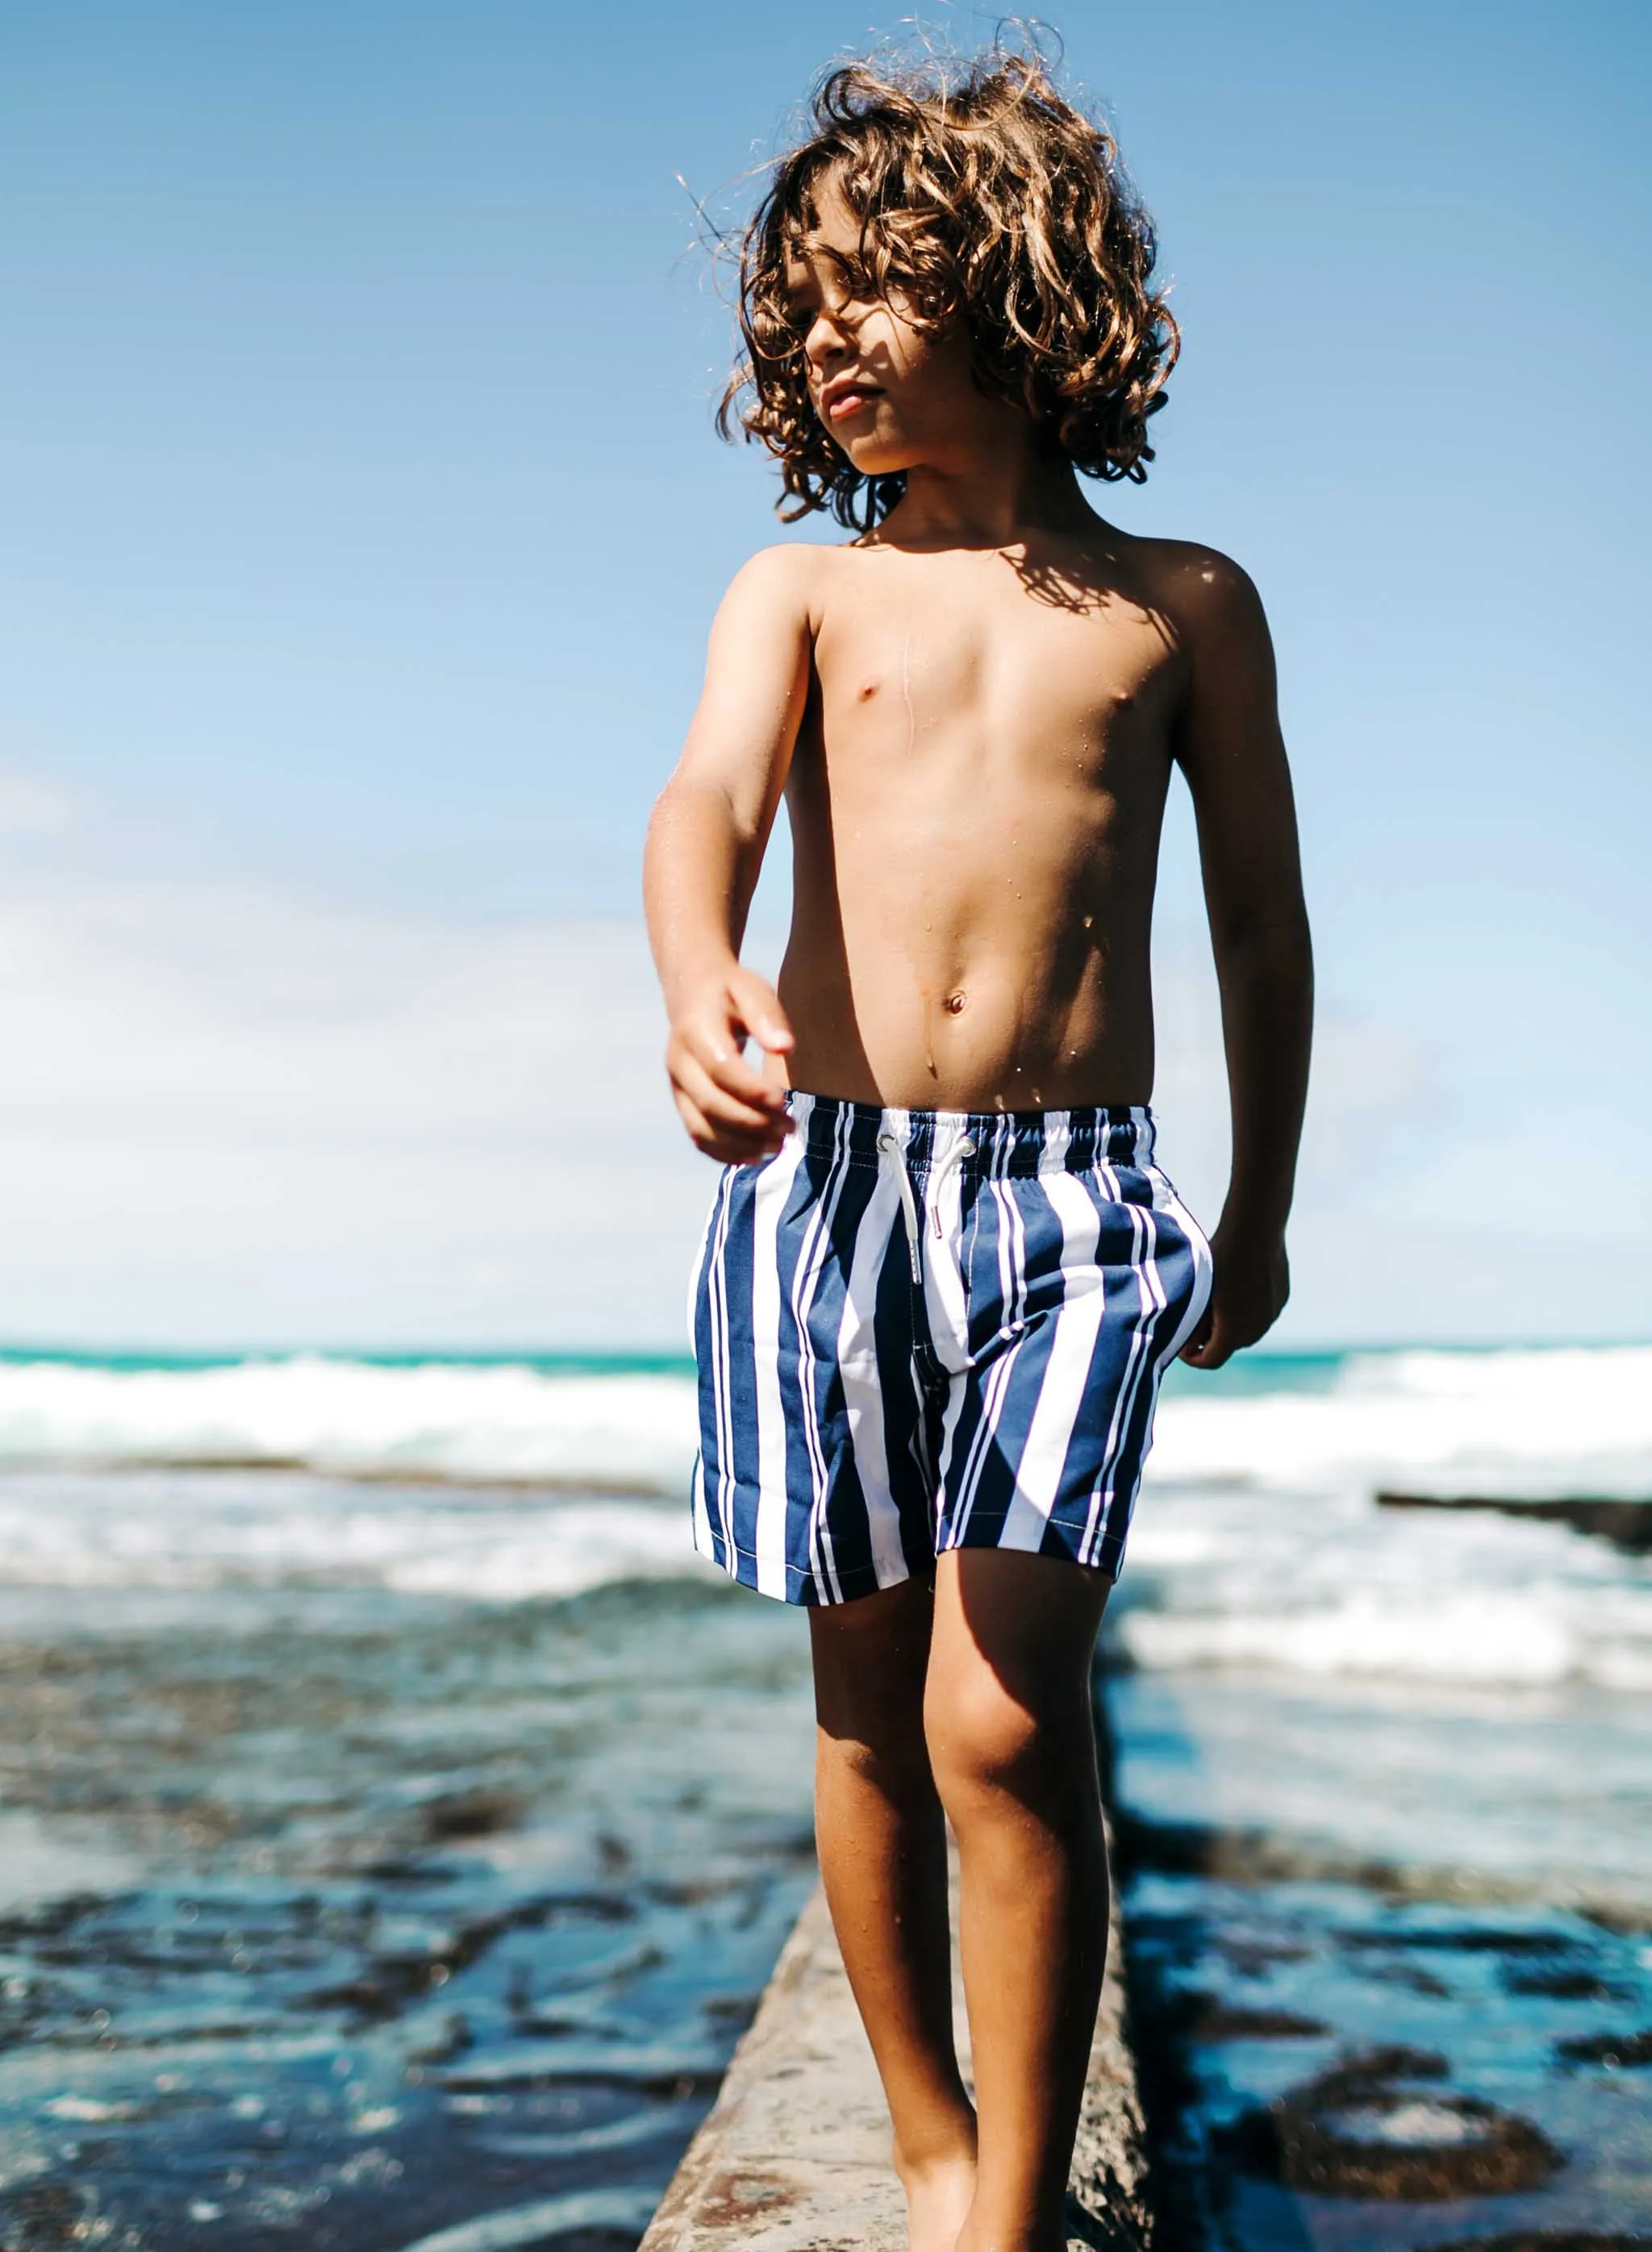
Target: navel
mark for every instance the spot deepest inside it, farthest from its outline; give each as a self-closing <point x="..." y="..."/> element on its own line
<point x="953" y="1003"/>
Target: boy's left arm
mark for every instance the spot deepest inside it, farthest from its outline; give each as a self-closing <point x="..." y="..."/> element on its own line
<point x="1230" y="748"/>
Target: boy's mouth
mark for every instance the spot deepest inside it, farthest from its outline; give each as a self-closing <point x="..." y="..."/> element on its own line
<point x="842" y="399"/>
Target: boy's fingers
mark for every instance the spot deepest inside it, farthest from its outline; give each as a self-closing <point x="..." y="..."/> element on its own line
<point x="1207" y="1348"/>
<point x="761" y="1012"/>
<point x="712" y="1141"/>
<point x="723" y="1109"/>
<point x="715" y="1048"/>
<point x="710" y="1054"/>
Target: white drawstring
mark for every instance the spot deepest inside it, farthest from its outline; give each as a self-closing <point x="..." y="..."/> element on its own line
<point x="891" y="1146"/>
<point x="962" y="1148"/>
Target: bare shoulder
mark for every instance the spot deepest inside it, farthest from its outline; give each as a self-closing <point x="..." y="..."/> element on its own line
<point x="1210" y="599"/>
<point x="777" y="580"/>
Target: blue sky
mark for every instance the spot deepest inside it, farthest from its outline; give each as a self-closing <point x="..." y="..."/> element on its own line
<point x="360" y="521"/>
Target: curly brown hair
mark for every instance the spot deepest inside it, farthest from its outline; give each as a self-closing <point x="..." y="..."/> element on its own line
<point x="982" y="195"/>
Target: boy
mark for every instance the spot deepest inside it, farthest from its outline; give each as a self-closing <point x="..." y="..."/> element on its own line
<point x="943" y="1272"/>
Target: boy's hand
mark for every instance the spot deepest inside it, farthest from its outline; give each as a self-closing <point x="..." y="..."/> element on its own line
<point x="731" y="1112"/>
<point x="1252" y="1282"/>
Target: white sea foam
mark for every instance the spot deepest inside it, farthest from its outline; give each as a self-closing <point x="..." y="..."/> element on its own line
<point x="1256" y="1542"/>
<point x="214" y="1529"/>
<point x="1575" y="1419"/>
<point x="1572" y="1419"/>
<point x="353" y="1418"/>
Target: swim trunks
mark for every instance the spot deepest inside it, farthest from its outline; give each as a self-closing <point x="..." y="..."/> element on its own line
<point x="920" y="1330"/>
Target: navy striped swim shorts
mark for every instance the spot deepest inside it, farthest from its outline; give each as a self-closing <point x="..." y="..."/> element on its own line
<point x="921" y="1329"/>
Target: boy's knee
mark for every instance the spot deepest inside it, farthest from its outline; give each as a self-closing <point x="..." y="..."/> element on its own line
<point x="983" y="1740"/>
<point x="870" y="1659"/>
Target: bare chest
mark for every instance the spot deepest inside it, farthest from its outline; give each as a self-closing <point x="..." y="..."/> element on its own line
<point x="1013" y="681"/>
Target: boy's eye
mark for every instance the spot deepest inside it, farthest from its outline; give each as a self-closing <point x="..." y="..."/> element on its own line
<point x="860" y="283"/>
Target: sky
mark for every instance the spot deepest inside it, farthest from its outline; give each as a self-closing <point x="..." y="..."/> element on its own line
<point x="361" y="519"/>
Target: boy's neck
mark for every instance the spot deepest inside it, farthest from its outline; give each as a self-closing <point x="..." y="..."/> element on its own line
<point x="997" y="494"/>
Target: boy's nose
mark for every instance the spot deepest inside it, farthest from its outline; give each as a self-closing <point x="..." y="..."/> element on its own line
<point x="827" y="342"/>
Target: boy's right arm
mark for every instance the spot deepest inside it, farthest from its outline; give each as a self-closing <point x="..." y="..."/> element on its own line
<point x="706" y="847"/>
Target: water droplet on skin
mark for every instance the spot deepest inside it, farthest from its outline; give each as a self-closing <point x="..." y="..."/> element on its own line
<point x="1209" y="577"/>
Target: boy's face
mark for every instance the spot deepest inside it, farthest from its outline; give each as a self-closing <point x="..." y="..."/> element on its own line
<point x="891" y="393"/>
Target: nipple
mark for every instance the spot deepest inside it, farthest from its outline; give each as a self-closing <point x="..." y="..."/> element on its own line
<point x="953" y="1003"/>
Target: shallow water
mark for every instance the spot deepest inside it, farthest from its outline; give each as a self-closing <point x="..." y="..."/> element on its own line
<point x="1294" y="1908"/>
<point x="387" y="1913"/>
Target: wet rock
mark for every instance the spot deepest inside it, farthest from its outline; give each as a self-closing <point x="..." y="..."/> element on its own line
<point x="41" y="2215"/>
<point x="1411" y="1975"/>
<point x="1611" y="2049"/>
<point x="1366" y="2130"/>
<point x="1205" y="2017"/>
<point x="1627" y="1524"/>
<point x="1220" y="2022"/>
<point x="1564" y="1985"/>
<point x="1550" y="2240"/>
<point x="483" y="1812"/>
<point x="1253" y="1957"/>
<point x="1464" y="1939"/>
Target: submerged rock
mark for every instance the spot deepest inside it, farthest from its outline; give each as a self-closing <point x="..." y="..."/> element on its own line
<point x="1364" y="2130"/>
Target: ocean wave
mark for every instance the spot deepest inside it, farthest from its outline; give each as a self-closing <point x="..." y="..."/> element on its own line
<point x="1257" y="1540"/>
<point x="1518" y="1422"/>
<point x="505" y="1421"/>
<point x="1567" y="1419"/>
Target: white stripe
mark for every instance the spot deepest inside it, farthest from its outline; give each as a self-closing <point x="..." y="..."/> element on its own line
<point x="768" y="1535"/>
<point x="1152" y="1302"/>
<point x="717" y="1305"/>
<point x="701" y="1518"/>
<point x="1203" y="1265"/>
<point x="998" y="1381"/>
<point x="857" y="1368"/>
<point x="804" y="1284"/>
<point x="945" y="1297"/>
<point x="1076" y="1324"/>
<point x="1104" y="1174"/>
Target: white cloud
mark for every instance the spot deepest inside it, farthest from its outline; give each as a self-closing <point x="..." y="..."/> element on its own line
<point x="232" y="1115"/>
<point x="32" y="808"/>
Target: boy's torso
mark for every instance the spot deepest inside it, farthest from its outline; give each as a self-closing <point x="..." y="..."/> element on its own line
<point x="976" y="799"/>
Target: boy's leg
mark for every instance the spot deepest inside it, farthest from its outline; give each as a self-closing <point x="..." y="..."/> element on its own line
<point x="883" y="1856"/>
<point x="1012" y="1748"/>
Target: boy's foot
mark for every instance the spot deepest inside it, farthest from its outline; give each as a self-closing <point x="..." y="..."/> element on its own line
<point x="938" y="2198"/>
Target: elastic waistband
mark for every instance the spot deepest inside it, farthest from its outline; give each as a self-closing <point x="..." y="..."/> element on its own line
<point x="993" y="1143"/>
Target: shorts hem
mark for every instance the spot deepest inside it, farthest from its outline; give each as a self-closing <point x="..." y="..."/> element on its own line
<point x="1109" y="1562"/>
<point x="803" y="1585"/>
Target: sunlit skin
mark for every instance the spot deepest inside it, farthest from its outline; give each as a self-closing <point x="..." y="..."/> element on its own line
<point x="973" y="714"/>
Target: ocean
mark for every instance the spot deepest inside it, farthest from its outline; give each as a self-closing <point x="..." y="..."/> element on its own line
<point x="398" y="1822"/>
